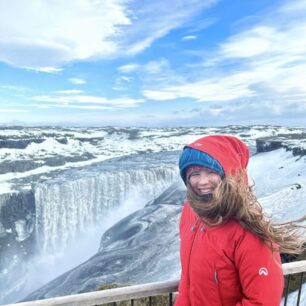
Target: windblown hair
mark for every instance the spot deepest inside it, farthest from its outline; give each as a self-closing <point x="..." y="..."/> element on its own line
<point x="233" y="199"/>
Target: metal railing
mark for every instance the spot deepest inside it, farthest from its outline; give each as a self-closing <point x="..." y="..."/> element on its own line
<point x="290" y="269"/>
<point x="149" y="290"/>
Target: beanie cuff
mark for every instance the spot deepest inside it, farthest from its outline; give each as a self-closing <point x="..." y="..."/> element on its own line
<point x="192" y="156"/>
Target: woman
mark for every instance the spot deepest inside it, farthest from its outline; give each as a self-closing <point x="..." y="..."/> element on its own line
<point x="229" y="250"/>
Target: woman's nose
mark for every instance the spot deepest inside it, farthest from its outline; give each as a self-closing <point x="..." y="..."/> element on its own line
<point x="203" y="179"/>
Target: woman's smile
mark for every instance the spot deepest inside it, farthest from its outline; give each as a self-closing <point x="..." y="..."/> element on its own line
<point x="203" y="180"/>
<point x="204" y="191"/>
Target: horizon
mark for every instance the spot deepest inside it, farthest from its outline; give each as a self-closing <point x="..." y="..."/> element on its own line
<point x="166" y="64"/>
<point x="24" y="125"/>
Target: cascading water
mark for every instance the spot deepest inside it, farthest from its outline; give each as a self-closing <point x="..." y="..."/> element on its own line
<point x="75" y="207"/>
<point x="66" y="208"/>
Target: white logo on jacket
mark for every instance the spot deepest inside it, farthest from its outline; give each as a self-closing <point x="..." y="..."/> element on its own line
<point x="263" y="271"/>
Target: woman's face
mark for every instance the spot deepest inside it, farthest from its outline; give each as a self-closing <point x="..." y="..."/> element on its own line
<point x="203" y="180"/>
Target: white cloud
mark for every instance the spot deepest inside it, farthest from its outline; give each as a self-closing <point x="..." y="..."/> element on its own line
<point x="155" y="19"/>
<point x="44" y="69"/>
<point x="132" y="119"/>
<point x="77" y="81"/>
<point x="248" y="44"/>
<point x="6" y="110"/>
<point x="72" y="106"/>
<point x="219" y="89"/>
<point x="126" y="78"/>
<point x="13" y="88"/>
<point x="122" y="83"/>
<point x="69" y="92"/>
<point x="166" y="94"/>
<point x="197" y="26"/>
<point x="128" y="68"/>
<point x="262" y="65"/>
<point x="45" y="35"/>
<point x="72" y="100"/>
<point x="155" y="67"/>
<point x="189" y="37"/>
<point x="151" y="67"/>
<point x="158" y="73"/>
<point x="294" y="7"/>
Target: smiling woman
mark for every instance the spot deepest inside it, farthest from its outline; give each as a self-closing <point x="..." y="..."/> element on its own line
<point x="229" y="250"/>
<point x="202" y="180"/>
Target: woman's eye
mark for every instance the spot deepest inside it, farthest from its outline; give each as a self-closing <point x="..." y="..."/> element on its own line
<point x="194" y="173"/>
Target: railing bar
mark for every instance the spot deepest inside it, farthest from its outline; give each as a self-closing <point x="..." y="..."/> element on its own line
<point x="287" y="290"/>
<point x="132" y="302"/>
<point x="114" y="304"/>
<point x="300" y="289"/>
<point x="150" y="300"/>
<point x="170" y="299"/>
<point x="135" y="291"/>
<point x="294" y="267"/>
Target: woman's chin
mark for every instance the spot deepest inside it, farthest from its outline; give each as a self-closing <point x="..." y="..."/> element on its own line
<point x="206" y="197"/>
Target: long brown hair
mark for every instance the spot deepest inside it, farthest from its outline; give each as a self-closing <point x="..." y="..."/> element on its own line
<point x="233" y="199"/>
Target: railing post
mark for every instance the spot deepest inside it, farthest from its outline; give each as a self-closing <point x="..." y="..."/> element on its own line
<point x="300" y="289"/>
<point x="287" y="290"/>
<point x="170" y="298"/>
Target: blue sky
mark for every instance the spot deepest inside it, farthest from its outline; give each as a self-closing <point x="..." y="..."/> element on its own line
<point x="153" y="63"/>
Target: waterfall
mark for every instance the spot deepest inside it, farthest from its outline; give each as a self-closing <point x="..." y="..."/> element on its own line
<point x="68" y="207"/>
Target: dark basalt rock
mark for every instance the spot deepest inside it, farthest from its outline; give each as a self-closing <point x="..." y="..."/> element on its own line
<point x="18" y="166"/>
<point x="267" y="145"/>
<point x="92" y="141"/>
<point x="62" y="140"/>
<point x="298" y="151"/>
<point x="54" y="161"/>
<point x="62" y="160"/>
<point x="16" y="242"/>
<point x="290" y="142"/>
<point x="18" y="143"/>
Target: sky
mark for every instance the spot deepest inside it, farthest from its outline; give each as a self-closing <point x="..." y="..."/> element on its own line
<point x="151" y="63"/>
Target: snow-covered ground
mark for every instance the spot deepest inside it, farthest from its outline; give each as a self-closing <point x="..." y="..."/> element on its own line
<point x="33" y="150"/>
<point x="69" y="172"/>
<point x="127" y="253"/>
<point x="280" y="183"/>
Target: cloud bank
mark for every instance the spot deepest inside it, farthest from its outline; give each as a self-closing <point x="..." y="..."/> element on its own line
<point x="45" y="35"/>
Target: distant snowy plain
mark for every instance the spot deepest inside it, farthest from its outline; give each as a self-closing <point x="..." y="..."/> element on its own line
<point x="52" y="149"/>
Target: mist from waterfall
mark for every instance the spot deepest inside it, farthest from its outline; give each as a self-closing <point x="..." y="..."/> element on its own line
<point x="67" y="208"/>
<point x="74" y="209"/>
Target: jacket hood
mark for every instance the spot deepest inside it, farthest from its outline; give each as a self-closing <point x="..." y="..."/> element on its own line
<point x="229" y="151"/>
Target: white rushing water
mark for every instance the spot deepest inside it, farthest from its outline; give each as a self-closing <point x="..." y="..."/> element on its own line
<point x="72" y="212"/>
<point x="67" y="208"/>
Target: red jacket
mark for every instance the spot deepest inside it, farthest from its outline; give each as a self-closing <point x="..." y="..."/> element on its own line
<point x="226" y="265"/>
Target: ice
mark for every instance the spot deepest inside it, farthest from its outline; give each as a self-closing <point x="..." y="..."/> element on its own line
<point x="22" y="233"/>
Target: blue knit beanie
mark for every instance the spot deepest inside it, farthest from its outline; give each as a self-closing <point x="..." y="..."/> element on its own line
<point x="192" y="156"/>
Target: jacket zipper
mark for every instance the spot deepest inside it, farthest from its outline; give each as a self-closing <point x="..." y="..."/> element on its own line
<point x="193" y="228"/>
<point x="217" y="284"/>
